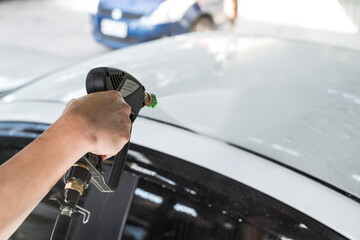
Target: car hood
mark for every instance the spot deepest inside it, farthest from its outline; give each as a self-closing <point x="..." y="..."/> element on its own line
<point x="31" y="111"/>
<point x="131" y="6"/>
<point x="296" y="103"/>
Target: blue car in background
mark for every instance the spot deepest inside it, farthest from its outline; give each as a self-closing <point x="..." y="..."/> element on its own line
<point x="121" y="23"/>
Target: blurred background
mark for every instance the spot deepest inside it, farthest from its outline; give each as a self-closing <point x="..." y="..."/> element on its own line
<point x="40" y="36"/>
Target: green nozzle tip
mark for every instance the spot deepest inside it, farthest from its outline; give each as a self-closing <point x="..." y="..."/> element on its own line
<point x="150" y="100"/>
<point x="154" y="101"/>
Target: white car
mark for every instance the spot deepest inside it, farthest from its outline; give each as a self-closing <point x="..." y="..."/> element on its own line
<point x="252" y="138"/>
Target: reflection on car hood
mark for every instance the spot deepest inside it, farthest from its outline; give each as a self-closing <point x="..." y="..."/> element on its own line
<point x="295" y="102"/>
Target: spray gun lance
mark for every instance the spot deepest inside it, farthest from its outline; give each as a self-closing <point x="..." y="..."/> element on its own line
<point x="88" y="169"/>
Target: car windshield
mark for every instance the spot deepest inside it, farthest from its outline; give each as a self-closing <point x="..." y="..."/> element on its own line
<point x="177" y="200"/>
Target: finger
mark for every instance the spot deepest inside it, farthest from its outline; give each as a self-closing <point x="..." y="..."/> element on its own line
<point x="70" y="102"/>
<point x="126" y="109"/>
<point x="107" y="156"/>
<point x="115" y="94"/>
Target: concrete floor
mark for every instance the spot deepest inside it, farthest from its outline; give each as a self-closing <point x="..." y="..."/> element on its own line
<point x="40" y="36"/>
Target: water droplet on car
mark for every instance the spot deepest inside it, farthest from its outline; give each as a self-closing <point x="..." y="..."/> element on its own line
<point x="284" y="238"/>
<point x="349" y="125"/>
<point x="224" y="212"/>
<point x="190" y="191"/>
<point x="240" y="220"/>
<point x="345" y="136"/>
<point x="228" y="225"/>
<point x="356" y="177"/>
<point x="256" y="140"/>
<point x="301" y="225"/>
<point x="209" y="205"/>
<point x="316" y="129"/>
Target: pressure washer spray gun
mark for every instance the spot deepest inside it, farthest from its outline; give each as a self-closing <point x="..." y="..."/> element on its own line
<point x="89" y="168"/>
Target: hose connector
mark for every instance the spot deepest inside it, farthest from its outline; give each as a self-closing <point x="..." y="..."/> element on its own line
<point x="150" y="100"/>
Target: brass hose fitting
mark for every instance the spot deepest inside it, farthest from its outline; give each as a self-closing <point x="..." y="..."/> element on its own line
<point x="81" y="165"/>
<point x="75" y="185"/>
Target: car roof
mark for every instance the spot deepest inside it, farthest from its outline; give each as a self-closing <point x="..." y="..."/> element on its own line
<point x="294" y="102"/>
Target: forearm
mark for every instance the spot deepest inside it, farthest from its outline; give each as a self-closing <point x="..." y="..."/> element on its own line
<point x="29" y="175"/>
<point x="97" y="123"/>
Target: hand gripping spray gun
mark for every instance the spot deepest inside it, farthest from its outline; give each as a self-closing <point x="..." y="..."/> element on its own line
<point x="89" y="168"/>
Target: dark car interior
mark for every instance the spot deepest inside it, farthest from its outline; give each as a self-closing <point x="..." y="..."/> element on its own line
<point x="165" y="198"/>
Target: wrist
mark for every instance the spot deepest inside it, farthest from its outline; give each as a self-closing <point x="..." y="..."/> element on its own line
<point x="78" y="128"/>
<point x="70" y="133"/>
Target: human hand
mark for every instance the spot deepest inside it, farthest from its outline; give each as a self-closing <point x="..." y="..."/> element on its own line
<point x="102" y="120"/>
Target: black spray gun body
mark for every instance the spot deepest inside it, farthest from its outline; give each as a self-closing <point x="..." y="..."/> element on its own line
<point x="89" y="168"/>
